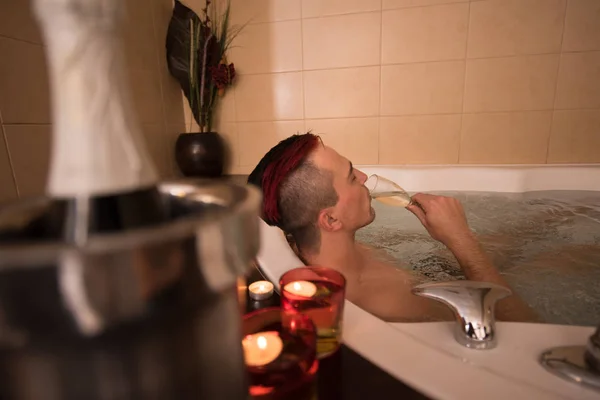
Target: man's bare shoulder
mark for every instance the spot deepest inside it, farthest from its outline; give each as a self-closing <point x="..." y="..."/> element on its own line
<point x="386" y="290"/>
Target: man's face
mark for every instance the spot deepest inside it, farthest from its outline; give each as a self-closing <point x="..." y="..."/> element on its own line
<point x="353" y="208"/>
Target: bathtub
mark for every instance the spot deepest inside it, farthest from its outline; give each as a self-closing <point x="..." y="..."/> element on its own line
<point x="426" y="355"/>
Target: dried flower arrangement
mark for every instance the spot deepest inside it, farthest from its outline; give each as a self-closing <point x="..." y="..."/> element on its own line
<point x="197" y="57"/>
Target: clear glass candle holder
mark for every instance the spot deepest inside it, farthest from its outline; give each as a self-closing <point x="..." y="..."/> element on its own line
<point x="280" y="355"/>
<point x="319" y="293"/>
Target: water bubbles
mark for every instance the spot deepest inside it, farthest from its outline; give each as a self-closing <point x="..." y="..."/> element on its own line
<point x="546" y="244"/>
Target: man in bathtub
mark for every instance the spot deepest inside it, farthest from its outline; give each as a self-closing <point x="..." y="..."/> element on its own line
<point x="318" y="198"/>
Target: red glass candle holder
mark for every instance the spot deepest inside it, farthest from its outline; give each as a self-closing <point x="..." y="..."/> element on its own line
<point x="319" y="293"/>
<point x="280" y="354"/>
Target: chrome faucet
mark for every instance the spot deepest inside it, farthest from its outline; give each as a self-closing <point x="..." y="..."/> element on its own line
<point x="592" y="354"/>
<point x="473" y="305"/>
<point x="578" y="364"/>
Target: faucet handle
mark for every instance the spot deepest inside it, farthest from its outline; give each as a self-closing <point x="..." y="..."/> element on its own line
<point x="473" y="305"/>
<point x="592" y="354"/>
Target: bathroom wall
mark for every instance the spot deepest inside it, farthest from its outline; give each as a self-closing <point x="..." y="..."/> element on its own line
<point x="25" y="115"/>
<point x="383" y="81"/>
<point x="418" y="81"/>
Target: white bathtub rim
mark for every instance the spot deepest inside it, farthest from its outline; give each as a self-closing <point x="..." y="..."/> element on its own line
<point x="514" y="339"/>
<point x="490" y="178"/>
<point x="502" y="166"/>
<point x="440" y="374"/>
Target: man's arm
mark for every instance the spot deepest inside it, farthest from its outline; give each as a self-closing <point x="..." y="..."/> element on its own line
<point x="477" y="267"/>
<point x="445" y="220"/>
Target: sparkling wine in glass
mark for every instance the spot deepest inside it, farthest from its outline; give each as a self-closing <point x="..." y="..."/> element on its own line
<point x="387" y="192"/>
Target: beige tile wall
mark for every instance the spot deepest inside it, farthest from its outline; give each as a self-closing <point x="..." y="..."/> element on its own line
<point x="25" y="116"/>
<point x="418" y="81"/>
<point x="383" y="81"/>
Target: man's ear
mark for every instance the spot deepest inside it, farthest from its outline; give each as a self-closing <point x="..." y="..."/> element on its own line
<point x="327" y="221"/>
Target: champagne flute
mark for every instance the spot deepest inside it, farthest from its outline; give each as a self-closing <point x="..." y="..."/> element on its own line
<point x="387" y="192"/>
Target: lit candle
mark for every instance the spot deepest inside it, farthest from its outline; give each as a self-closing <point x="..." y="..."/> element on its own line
<point x="301" y="288"/>
<point x="261" y="348"/>
<point x="260" y="290"/>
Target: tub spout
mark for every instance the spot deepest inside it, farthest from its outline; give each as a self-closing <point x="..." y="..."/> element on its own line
<point x="473" y="305"/>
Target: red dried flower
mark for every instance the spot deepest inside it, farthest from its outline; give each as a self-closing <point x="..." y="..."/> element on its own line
<point x="222" y="75"/>
<point x="231" y="72"/>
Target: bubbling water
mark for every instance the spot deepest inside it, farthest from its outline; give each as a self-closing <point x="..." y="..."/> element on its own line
<point x="546" y="244"/>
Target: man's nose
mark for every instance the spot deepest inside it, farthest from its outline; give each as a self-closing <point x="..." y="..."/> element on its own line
<point x="362" y="177"/>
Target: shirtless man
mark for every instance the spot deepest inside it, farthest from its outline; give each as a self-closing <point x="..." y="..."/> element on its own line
<point x="317" y="197"/>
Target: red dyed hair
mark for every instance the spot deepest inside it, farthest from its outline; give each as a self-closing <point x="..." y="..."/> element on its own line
<point x="279" y="168"/>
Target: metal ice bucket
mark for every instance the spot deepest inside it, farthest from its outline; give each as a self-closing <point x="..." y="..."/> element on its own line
<point x="133" y="310"/>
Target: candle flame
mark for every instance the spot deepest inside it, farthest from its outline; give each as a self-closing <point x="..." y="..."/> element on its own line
<point x="261" y="341"/>
<point x="261" y="287"/>
<point x="297" y="286"/>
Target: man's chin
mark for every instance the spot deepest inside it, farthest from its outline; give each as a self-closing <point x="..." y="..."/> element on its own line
<point x="371" y="217"/>
<point x="369" y="220"/>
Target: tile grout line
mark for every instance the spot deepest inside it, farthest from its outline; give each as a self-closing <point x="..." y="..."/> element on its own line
<point x="369" y="116"/>
<point x="28" y="123"/>
<point x="464" y="92"/>
<point x="562" y="39"/>
<point x="418" y="62"/>
<point x="235" y="148"/>
<point x="22" y="40"/>
<point x="429" y="5"/>
<point x="431" y="114"/>
<point x="10" y="161"/>
<point x="238" y="150"/>
<point x="380" y="80"/>
<point x="302" y="88"/>
<point x="237" y="126"/>
<point x="341" y="14"/>
<point x="162" y="92"/>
